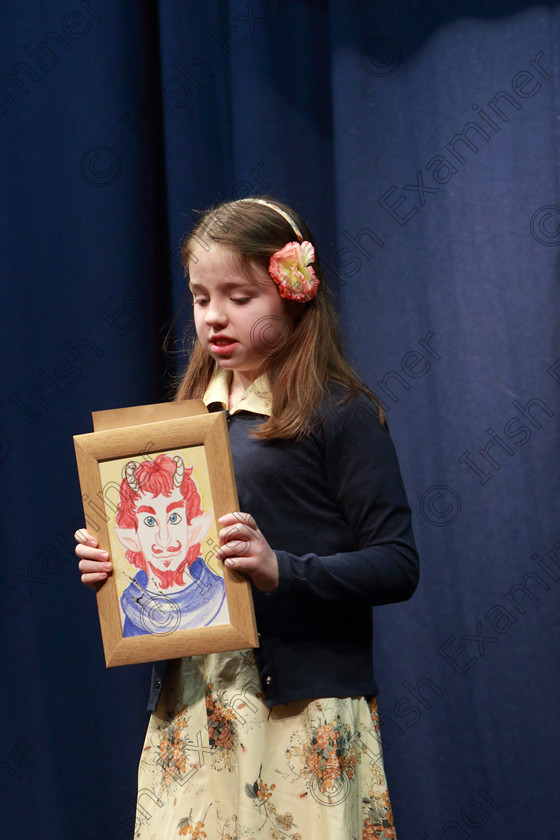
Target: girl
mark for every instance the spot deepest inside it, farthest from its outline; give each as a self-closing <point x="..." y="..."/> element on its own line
<point x="282" y="741"/>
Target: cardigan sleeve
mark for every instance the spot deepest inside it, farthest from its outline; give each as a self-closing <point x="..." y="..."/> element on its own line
<point x="364" y="476"/>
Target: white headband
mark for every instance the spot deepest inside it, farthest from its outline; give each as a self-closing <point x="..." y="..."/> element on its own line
<point x="283" y="213"/>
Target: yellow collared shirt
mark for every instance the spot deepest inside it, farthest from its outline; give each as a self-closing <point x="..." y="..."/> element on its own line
<point x="257" y="397"/>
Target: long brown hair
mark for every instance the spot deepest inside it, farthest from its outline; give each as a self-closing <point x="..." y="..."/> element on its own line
<point x="310" y="355"/>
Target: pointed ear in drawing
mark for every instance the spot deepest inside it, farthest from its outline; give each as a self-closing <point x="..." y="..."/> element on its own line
<point x="129" y="538"/>
<point x="199" y="528"/>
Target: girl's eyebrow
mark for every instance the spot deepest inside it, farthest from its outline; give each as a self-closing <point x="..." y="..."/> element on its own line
<point x="226" y="285"/>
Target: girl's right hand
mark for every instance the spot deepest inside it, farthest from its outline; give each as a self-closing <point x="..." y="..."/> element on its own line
<point x="94" y="564"/>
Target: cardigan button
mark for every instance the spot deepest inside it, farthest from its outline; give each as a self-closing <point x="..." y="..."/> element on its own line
<point x="157" y="685"/>
<point x="268" y="680"/>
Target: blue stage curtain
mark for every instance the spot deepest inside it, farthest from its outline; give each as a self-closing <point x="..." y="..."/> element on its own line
<point x="421" y="141"/>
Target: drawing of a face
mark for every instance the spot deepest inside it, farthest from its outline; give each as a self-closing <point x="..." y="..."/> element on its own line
<point x="160" y="521"/>
<point x="162" y="529"/>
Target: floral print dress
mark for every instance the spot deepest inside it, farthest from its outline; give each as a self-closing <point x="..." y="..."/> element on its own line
<point x="218" y="763"/>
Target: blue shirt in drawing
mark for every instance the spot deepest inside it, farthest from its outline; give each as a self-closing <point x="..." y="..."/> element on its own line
<point x="198" y="604"/>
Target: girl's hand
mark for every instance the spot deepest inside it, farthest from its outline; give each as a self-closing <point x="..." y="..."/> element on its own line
<point x="94" y="563"/>
<point x="243" y="548"/>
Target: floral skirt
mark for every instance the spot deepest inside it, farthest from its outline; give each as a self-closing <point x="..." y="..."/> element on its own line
<point x="218" y="763"/>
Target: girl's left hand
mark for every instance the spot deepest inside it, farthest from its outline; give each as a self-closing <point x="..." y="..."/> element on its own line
<point x="244" y="548"/>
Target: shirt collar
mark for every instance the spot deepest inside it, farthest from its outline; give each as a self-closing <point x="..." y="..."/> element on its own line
<point x="257" y="398"/>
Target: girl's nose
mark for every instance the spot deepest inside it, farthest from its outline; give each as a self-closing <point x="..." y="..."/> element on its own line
<point x="215" y="313"/>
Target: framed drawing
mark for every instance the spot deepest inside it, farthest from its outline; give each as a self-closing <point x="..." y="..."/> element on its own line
<point x="152" y="494"/>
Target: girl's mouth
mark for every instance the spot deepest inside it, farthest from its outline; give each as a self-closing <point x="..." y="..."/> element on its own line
<point x="222" y="345"/>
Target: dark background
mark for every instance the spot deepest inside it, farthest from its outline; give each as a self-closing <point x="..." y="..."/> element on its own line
<point x="117" y="119"/>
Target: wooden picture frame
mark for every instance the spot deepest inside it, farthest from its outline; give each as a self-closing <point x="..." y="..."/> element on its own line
<point x="140" y="621"/>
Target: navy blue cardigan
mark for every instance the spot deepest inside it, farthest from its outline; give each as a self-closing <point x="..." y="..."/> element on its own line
<point x="334" y="509"/>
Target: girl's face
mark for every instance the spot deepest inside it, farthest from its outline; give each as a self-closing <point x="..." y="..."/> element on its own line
<point x="237" y="320"/>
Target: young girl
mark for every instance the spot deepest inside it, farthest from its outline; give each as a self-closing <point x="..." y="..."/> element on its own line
<point x="282" y="741"/>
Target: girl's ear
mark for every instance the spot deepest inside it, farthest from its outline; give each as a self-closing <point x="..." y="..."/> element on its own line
<point x="199" y="528"/>
<point x="128" y="538"/>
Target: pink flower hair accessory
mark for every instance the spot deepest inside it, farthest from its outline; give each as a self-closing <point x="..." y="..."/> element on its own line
<point x="292" y="271"/>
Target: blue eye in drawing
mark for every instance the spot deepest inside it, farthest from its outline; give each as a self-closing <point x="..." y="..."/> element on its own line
<point x="174" y="519"/>
<point x="150" y="521"/>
